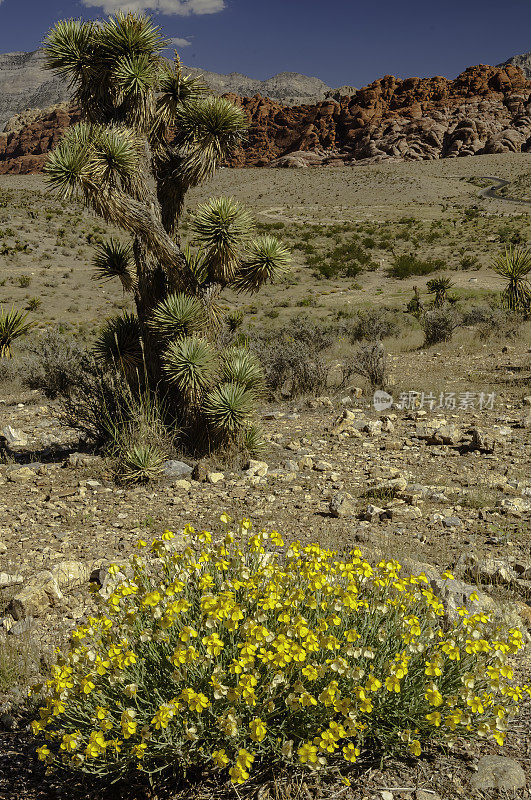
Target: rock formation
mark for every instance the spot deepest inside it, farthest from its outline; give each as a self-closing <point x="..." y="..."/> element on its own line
<point x="484" y="110"/>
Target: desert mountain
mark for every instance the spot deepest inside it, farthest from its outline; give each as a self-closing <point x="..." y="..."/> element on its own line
<point x="24" y="84"/>
<point x="523" y="61"/>
<point x="484" y="110"/>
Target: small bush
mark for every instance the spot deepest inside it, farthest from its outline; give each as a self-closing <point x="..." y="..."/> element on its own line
<point x="53" y="363"/>
<point x="24" y="281"/>
<point x="370" y="361"/>
<point x="374" y="324"/>
<point x="439" y="325"/>
<point x="405" y="266"/>
<point x="233" y="656"/>
<point x="294" y="361"/>
<point x="493" y="322"/>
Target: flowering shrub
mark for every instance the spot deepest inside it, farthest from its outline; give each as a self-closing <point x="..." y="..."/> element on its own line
<point x="234" y="652"/>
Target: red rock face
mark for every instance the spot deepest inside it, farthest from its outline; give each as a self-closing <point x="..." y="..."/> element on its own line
<point x="484" y="110"/>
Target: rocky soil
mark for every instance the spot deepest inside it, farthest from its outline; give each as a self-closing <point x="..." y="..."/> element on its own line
<point x="435" y="488"/>
<point x="484" y="110"/>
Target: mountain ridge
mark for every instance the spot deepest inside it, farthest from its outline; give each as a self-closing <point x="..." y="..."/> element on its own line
<point x="25" y="84"/>
<point x="484" y="110"/>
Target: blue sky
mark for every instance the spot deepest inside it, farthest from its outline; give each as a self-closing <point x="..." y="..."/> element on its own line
<point x="341" y="41"/>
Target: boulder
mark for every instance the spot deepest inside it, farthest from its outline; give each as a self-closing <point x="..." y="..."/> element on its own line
<point x="342" y="504"/>
<point x="38" y="594"/>
<point x="498" y="772"/>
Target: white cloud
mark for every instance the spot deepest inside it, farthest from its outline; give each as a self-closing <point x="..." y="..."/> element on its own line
<point x="183" y="8"/>
<point x="176" y="41"/>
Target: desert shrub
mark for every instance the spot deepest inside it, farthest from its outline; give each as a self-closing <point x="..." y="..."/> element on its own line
<point x="374" y="324"/>
<point x="493" y="322"/>
<point x="294" y="360"/>
<point x="439" y="325"/>
<point x="52" y="363"/>
<point x="370" y="361"/>
<point x="405" y="266"/>
<point x="236" y="656"/>
<point x="347" y="258"/>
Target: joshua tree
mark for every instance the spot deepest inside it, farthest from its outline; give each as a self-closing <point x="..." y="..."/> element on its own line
<point x="148" y="134"/>
<point x="439" y="287"/>
<point x="514" y="264"/>
<point x="13" y="325"/>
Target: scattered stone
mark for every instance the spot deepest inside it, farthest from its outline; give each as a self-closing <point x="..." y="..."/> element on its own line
<point x="323" y="466"/>
<point x="342" y="505"/>
<point x="3" y="548"/>
<point x="175" y="469"/>
<point x="259" y="468"/>
<point x="22" y="627"/>
<point x="455" y="594"/>
<point x="182" y="483"/>
<point x="14" y="437"/>
<point x="498" y="772"/>
<point x="18" y="474"/>
<point x="9" y="580"/>
<point x="306" y="462"/>
<point x="92" y="484"/>
<point x="36" y="596"/>
<point x="452" y="522"/>
<point x="527" y="400"/>
<point x="215" y="477"/>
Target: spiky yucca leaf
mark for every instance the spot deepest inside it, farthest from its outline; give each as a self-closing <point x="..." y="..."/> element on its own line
<point x="178" y="315"/>
<point x="135" y="75"/>
<point x="120" y="342"/>
<point x="515" y="265"/>
<point x="113" y="259"/>
<point x="115" y="154"/>
<point x="13" y="325"/>
<point x="68" y="48"/>
<point x="222" y="227"/>
<point x="67" y="166"/>
<point x="174" y="90"/>
<point x="265" y="260"/>
<point x="195" y="260"/>
<point x="253" y="440"/>
<point x="190" y="364"/>
<point x="90" y="156"/>
<point x="139" y="463"/>
<point x="228" y="408"/>
<point x="240" y="366"/>
<point x="125" y="34"/>
<point x="209" y="129"/>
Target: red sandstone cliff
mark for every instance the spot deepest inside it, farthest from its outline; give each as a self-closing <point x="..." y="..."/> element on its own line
<point x="484" y="110"/>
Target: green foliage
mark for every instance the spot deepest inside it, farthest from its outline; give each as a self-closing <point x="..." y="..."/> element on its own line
<point x="119" y="343"/>
<point x="228" y="408"/>
<point x="138" y="463"/>
<point x="236" y="655"/>
<point x="439" y="325"/>
<point x="13" y="326"/>
<point x="113" y="259"/>
<point x="266" y="258"/>
<point x="514" y="264"/>
<point x="190" y="364"/>
<point x="178" y="315"/>
<point x="439" y="288"/>
<point x="405" y="266"/>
